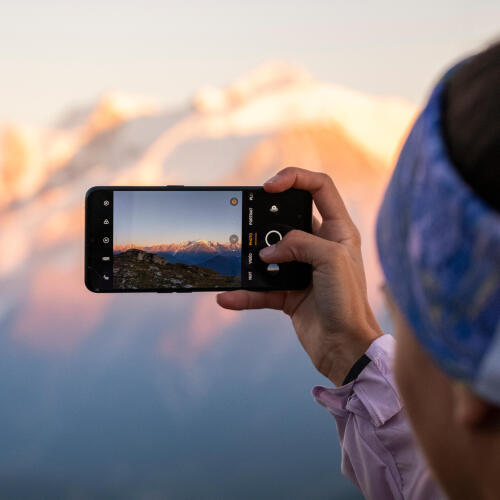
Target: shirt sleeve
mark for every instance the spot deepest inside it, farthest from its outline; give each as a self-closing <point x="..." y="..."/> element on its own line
<point x="379" y="453"/>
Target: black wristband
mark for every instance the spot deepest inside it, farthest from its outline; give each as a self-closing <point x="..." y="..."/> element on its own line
<point x="356" y="369"/>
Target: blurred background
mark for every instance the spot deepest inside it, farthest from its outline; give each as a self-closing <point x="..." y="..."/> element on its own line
<point x="170" y="397"/>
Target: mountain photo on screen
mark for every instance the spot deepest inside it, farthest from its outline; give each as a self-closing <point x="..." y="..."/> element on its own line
<point x="176" y="239"/>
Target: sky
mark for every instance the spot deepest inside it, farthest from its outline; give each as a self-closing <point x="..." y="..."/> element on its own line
<point x="55" y="55"/>
<point x="148" y="218"/>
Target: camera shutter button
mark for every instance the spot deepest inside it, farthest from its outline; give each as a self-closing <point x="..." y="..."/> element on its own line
<point x="273" y="237"/>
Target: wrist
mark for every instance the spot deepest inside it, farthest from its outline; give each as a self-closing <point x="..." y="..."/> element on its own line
<point x="356" y="369"/>
<point x="340" y="360"/>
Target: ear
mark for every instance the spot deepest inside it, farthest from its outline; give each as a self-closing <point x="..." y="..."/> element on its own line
<point x="468" y="409"/>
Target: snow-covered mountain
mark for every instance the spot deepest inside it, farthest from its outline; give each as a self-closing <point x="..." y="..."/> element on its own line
<point x="30" y="156"/>
<point x="128" y="395"/>
<point x="224" y="258"/>
<point x="195" y="246"/>
<point x="277" y="115"/>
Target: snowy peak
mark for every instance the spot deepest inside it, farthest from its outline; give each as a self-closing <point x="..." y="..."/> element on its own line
<point x="116" y="107"/>
<point x="194" y="246"/>
<point x="277" y="95"/>
<point x="268" y="78"/>
<point x="29" y="155"/>
<point x="110" y="109"/>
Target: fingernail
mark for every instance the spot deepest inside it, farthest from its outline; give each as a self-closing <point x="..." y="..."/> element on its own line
<point x="274" y="178"/>
<point x="267" y="251"/>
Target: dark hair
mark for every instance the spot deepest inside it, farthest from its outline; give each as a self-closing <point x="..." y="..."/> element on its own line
<point x="471" y="107"/>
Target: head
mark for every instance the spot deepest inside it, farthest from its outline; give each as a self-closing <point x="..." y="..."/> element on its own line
<point x="439" y="243"/>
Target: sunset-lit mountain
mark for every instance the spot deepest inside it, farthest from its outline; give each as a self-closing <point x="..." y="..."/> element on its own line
<point x="30" y="156"/>
<point x="276" y="115"/>
<point x="203" y="246"/>
<point x="79" y="347"/>
<point x="225" y="258"/>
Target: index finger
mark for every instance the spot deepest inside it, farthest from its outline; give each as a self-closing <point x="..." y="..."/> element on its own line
<point x="325" y="195"/>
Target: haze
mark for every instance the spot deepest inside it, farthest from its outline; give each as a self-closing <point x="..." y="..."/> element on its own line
<point x="57" y="54"/>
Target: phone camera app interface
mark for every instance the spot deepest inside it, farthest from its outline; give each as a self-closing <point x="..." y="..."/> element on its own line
<point x="177" y="239"/>
<point x="267" y="218"/>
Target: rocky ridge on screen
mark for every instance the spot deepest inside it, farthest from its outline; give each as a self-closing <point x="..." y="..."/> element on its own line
<point x="137" y="269"/>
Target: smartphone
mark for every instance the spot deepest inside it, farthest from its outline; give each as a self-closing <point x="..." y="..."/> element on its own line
<point x="191" y="239"/>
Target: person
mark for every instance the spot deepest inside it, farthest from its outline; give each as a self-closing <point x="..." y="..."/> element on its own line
<point x="418" y="416"/>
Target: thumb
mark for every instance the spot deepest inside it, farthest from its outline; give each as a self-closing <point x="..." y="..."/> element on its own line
<point x="300" y="246"/>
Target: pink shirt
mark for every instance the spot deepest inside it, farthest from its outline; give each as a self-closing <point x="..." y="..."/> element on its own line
<point x="379" y="453"/>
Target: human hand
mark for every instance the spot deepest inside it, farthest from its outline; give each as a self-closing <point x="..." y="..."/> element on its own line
<point x="332" y="317"/>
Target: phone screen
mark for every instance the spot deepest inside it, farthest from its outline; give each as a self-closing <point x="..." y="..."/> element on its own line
<point x="177" y="239"/>
<point x="180" y="239"/>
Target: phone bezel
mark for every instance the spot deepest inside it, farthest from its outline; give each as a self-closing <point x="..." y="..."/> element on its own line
<point x="88" y="236"/>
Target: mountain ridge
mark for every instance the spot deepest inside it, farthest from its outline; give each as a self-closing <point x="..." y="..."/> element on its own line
<point x="187" y="246"/>
<point x="141" y="137"/>
<point x="278" y="122"/>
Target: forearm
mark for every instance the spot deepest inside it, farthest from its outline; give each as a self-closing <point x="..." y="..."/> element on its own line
<point x="379" y="453"/>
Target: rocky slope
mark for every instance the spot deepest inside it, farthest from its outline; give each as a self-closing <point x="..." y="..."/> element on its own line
<point x="136" y="269"/>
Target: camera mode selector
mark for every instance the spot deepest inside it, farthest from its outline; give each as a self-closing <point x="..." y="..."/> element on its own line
<point x="273" y="269"/>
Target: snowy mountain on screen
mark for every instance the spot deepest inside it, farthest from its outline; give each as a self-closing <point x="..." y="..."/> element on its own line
<point x="224" y="258"/>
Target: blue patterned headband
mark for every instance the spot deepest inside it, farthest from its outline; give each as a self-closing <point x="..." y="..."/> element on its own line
<point x="439" y="245"/>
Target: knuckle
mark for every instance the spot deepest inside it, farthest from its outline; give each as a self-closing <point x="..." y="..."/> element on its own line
<point x="292" y="237"/>
<point x="338" y="252"/>
<point x="325" y="178"/>
<point x="291" y="243"/>
<point x="330" y="256"/>
<point x="288" y="170"/>
<point x="356" y="236"/>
